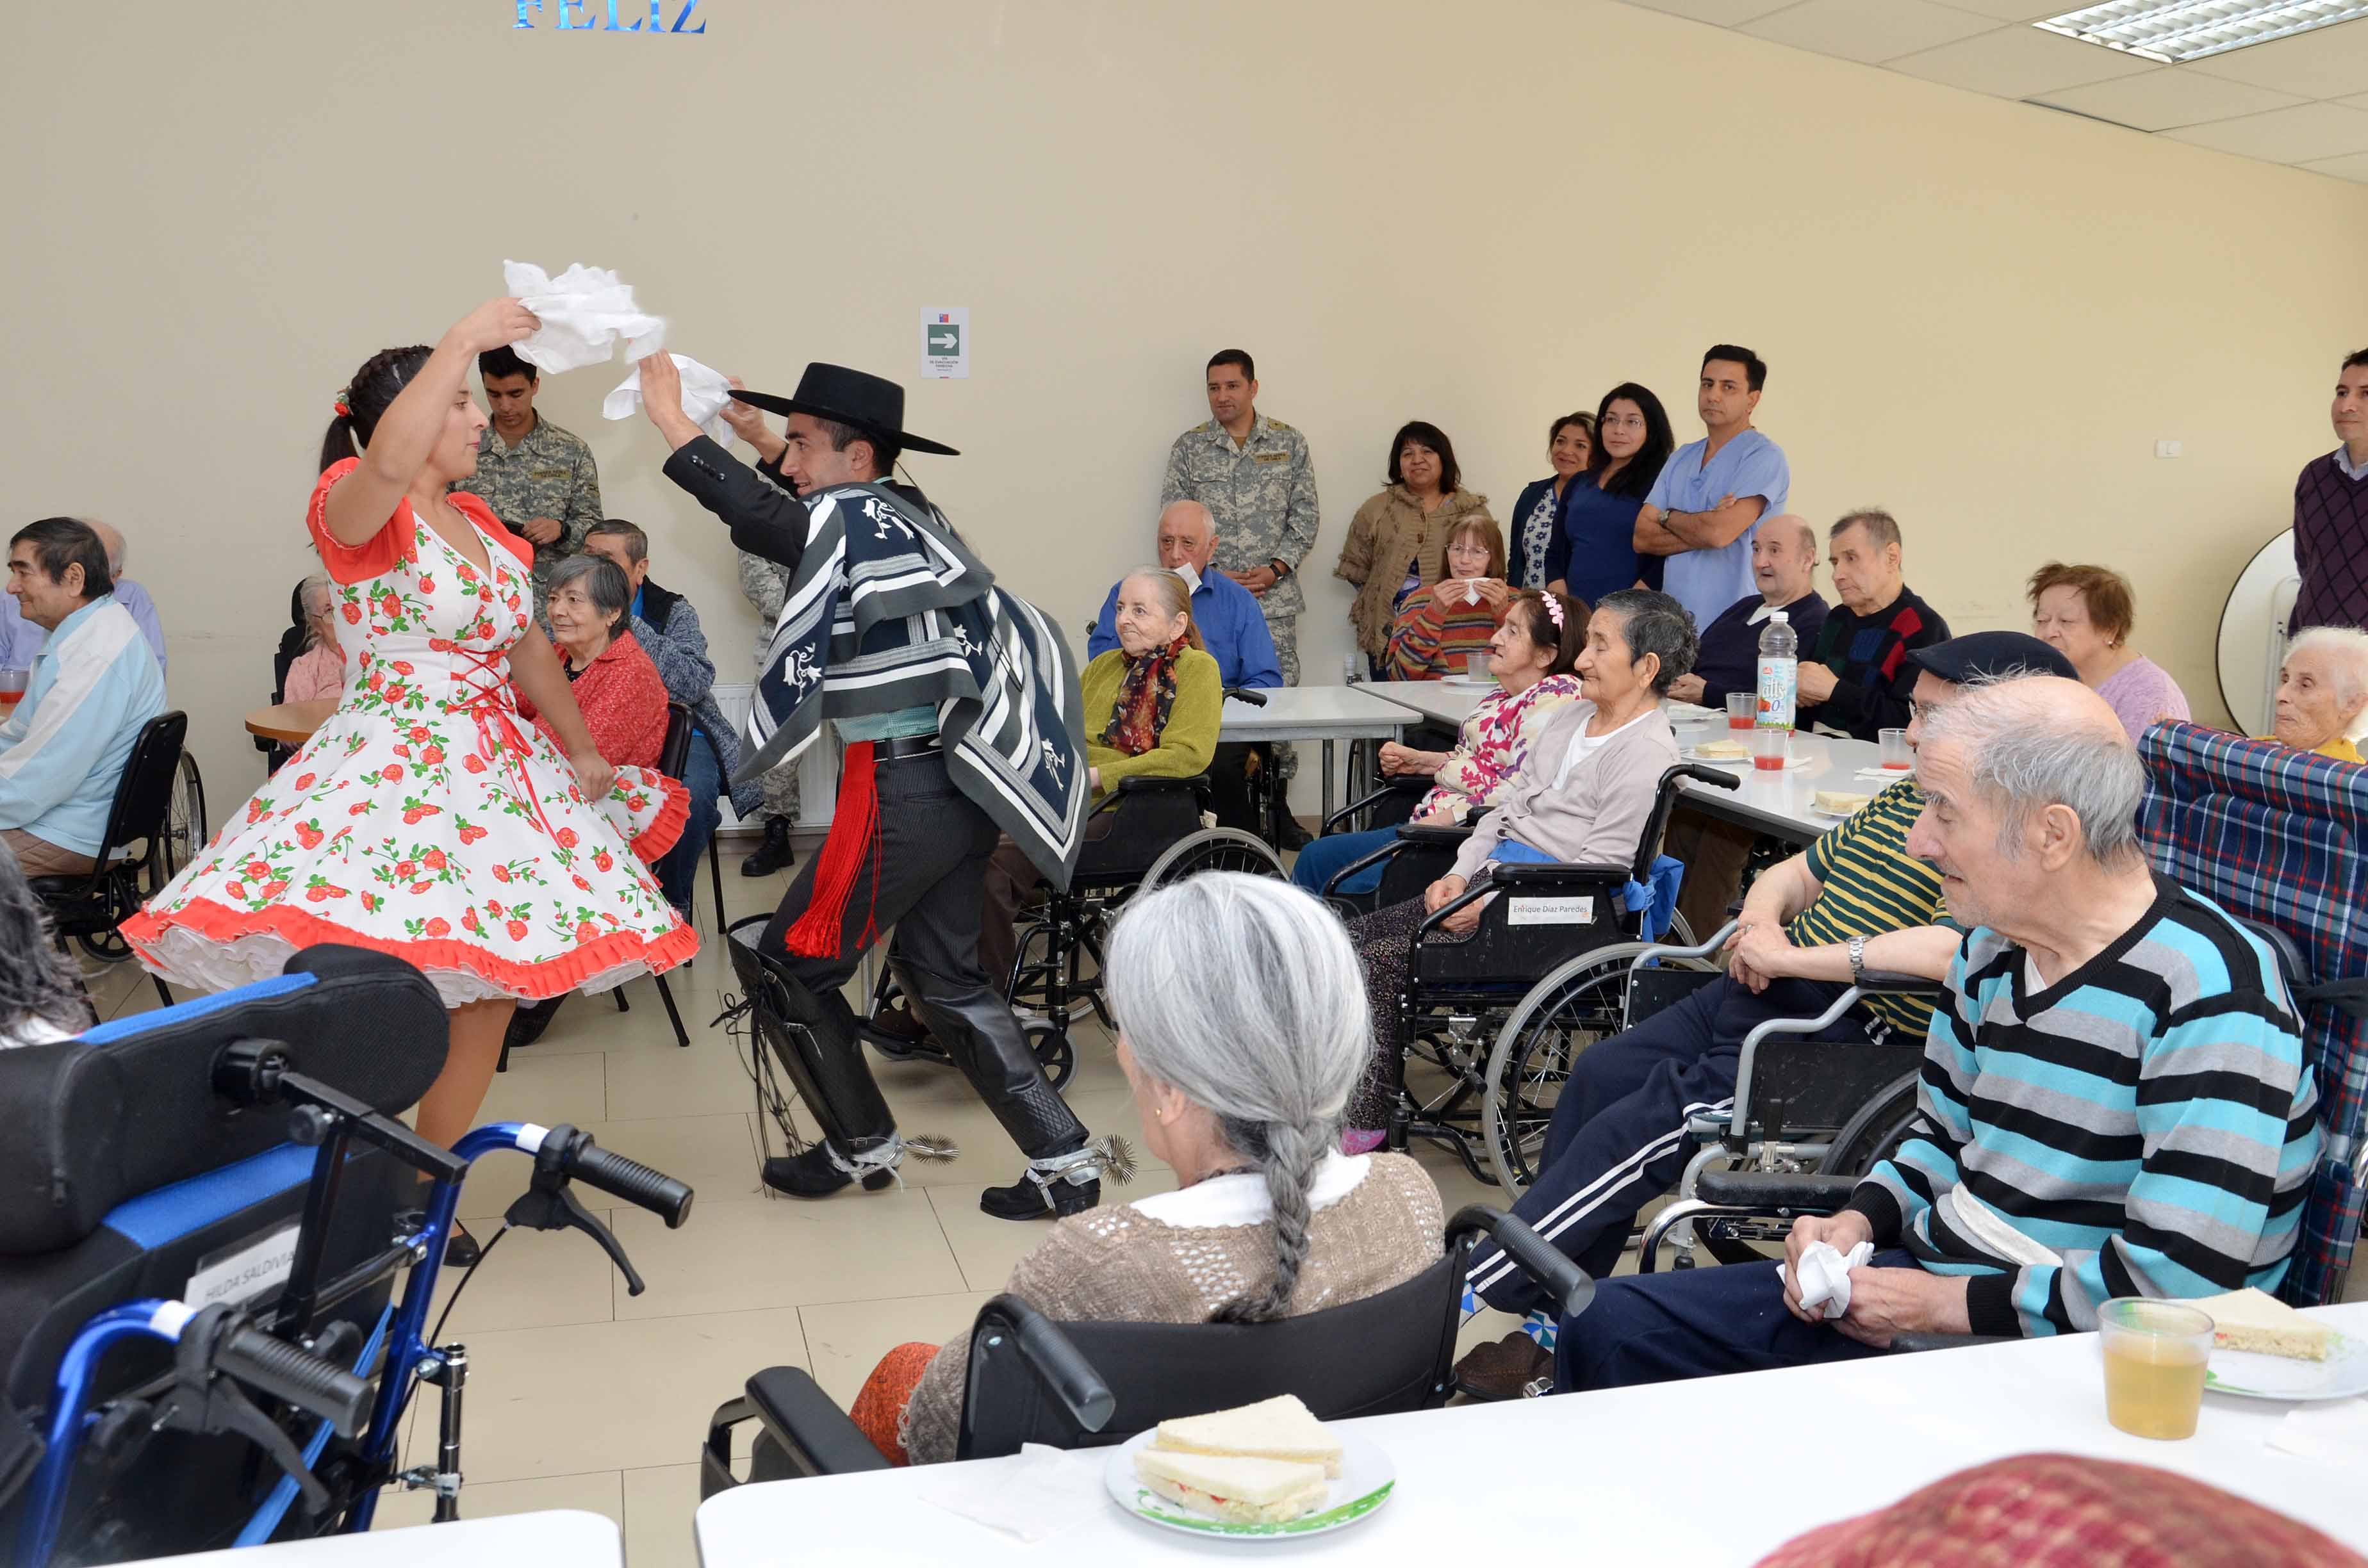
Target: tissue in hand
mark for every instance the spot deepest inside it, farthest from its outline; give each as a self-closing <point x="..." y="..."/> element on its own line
<point x="1825" y="1276"/>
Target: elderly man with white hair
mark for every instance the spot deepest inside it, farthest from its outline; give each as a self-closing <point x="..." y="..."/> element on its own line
<point x="2323" y="693"/>
<point x="1234" y="629"/>
<point x="2114" y="1101"/>
<point x="20" y="639"/>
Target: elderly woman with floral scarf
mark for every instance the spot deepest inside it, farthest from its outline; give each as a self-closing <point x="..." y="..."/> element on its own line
<point x="1152" y="707"/>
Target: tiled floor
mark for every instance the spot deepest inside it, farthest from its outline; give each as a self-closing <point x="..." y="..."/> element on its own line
<point x="583" y="1396"/>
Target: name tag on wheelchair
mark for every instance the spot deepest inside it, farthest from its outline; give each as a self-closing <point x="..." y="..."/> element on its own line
<point x="1576" y="910"/>
<point x="240" y="1273"/>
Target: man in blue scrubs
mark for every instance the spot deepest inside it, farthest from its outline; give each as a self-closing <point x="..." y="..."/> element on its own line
<point x="1232" y="628"/>
<point x="1705" y="508"/>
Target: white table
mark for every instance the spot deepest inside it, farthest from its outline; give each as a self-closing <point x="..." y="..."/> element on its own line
<point x="1326" y="713"/>
<point x="567" y="1536"/>
<point x="1631" y="1475"/>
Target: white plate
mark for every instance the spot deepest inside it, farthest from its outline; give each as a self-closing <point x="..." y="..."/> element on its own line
<point x="1467" y="681"/>
<point x="1744" y="763"/>
<point x="1690" y="713"/>
<point x="1885" y="774"/>
<point x="2251" y="1376"/>
<point x="1367" y="1479"/>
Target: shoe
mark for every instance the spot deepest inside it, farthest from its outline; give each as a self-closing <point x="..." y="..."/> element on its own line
<point x="461" y="1248"/>
<point x="815" y="1175"/>
<point x="773" y="854"/>
<point x="895" y="1033"/>
<point x="1288" y="835"/>
<point x="1023" y="1199"/>
<point x="1512" y="1367"/>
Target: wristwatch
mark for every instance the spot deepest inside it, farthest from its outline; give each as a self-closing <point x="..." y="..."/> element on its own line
<point x="1281" y="569"/>
<point x="1858" y="960"/>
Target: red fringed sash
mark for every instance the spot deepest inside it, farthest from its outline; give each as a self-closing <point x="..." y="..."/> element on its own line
<point x="854" y="839"/>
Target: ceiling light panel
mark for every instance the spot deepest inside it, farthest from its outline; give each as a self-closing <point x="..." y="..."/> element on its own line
<point x="2195" y="29"/>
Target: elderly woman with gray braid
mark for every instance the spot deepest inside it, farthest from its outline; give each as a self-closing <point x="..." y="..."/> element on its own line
<point x="1584" y="795"/>
<point x="40" y="1002"/>
<point x="1241" y="1022"/>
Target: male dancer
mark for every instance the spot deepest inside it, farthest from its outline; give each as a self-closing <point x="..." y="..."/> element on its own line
<point x="959" y="704"/>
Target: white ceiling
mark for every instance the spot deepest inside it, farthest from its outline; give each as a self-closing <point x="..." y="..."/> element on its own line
<point x="2301" y="101"/>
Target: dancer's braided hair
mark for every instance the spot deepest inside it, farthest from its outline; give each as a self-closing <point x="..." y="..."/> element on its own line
<point x="365" y="399"/>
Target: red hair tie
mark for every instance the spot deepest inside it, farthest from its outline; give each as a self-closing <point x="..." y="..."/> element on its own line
<point x="343" y="411"/>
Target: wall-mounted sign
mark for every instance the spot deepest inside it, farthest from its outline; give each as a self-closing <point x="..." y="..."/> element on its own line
<point x="572" y="15"/>
<point x="945" y="344"/>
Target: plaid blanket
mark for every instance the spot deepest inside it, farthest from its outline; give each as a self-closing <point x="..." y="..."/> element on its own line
<point x="889" y="610"/>
<point x="2281" y="836"/>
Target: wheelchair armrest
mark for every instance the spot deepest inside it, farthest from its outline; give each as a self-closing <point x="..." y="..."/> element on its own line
<point x="1392" y="784"/>
<point x="1564" y="1283"/>
<point x="1443" y="834"/>
<point x="1136" y="784"/>
<point x="1883" y="983"/>
<point x="1049" y="1354"/>
<point x="816" y="1434"/>
<point x="1908" y="1344"/>
<point x="1556" y="874"/>
<point x="1774" y="1190"/>
<point x="2350" y="995"/>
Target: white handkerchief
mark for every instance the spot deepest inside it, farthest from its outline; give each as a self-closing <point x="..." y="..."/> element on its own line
<point x="704" y="393"/>
<point x="1471" y="591"/>
<point x="1191" y="575"/>
<point x="1035" y="1493"/>
<point x="2336" y="1432"/>
<point x="584" y="311"/>
<point x="1825" y="1276"/>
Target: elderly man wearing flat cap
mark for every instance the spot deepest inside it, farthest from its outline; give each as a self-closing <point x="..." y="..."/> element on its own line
<point x="1854" y="899"/>
<point x="959" y="705"/>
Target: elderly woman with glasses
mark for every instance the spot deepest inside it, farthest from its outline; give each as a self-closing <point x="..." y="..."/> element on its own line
<point x="1584" y="793"/>
<point x="616" y="684"/>
<point x="2323" y="693"/>
<point x="1241" y="1029"/>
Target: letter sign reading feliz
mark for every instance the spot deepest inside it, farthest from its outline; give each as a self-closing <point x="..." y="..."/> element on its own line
<point x="573" y="15"/>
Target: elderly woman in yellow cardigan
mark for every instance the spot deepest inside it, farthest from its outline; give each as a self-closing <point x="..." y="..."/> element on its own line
<point x="1152" y="708"/>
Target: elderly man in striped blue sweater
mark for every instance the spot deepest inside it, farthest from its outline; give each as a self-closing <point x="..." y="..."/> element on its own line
<point x="2114" y="1100"/>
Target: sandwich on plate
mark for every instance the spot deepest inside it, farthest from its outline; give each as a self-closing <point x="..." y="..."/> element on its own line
<point x="2256" y="1321"/>
<point x="1234" y="1488"/>
<point x="1277" y="1428"/>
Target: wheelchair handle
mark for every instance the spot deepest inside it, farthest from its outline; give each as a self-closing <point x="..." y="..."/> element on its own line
<point x="1055" y="1358"/>
<point x="1714" y="778"/>
<point x="629" y="1180"/>
<point x="1251" y="695"/>
<point x="1565" y="1282"/>
<point x="293" y="1374"/>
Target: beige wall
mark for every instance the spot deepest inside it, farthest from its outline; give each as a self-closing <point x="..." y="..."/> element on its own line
<point x="1978" y="313"/>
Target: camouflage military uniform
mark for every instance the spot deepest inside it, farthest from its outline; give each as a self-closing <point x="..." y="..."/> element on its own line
<point x="548" y="474"/>
<point x="766" y="585"/>
<point x="1262" y="493"/>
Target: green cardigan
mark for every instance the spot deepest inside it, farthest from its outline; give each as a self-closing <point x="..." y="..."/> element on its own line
<point x="1185" y="744"/>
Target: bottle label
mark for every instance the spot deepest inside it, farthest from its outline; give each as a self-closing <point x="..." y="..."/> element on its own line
<point x="1779" y="681"/>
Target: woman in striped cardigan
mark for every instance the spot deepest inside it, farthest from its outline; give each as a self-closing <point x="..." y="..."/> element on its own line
<point x="1443" y="623"/>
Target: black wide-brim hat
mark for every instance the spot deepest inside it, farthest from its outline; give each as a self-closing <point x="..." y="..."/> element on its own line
<point x="870" y="403"/>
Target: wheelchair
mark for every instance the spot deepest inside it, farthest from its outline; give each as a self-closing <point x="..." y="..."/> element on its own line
<point x="140" y="849"/>
<point x="201" y="1340"/>
<point x="1155" y="838"/>
<point x="1762" y="1203"/>
<point x="1573" y="925"/>
<point x="1082" y="1385"/>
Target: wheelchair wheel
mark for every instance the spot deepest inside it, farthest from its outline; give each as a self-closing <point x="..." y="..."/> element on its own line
<point x="1572" y="1008"/>
<point x="1049" y="1042"/>
<point x="185" y="822"/>
<point x="1033" y="963"/>
<point x="1876" y="1128"/>
<point x="1214" y="849"/>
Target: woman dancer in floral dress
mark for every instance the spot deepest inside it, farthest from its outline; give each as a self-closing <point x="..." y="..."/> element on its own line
<point x="425" y="819"/>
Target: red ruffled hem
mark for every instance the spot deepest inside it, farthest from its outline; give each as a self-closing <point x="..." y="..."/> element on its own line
<point x="666" y="829"/>
<point x="529" y="982"/>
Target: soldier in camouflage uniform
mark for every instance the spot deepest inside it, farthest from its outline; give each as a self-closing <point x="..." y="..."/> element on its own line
<point x="766" y="585"/>
<point x="540" y="480"/>
<point x="1254" y="475"/>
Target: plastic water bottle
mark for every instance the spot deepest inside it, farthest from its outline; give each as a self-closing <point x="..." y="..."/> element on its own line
<point x="1780" y="678"/>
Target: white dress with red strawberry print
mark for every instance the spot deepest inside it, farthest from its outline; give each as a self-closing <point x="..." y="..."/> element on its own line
<point x="425" y="819"/>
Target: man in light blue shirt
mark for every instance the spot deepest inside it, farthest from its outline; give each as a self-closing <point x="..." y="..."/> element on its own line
<point x="20" y="639"/>
<point x="1705" y="508"/>
<point x="95" y="685"/>
<point x="1231" y="626"/>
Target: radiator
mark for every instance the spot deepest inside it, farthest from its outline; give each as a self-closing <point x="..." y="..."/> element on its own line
<point x="817" y="766"/>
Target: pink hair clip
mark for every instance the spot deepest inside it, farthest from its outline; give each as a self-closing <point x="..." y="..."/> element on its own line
<point x="1554" y="609"/>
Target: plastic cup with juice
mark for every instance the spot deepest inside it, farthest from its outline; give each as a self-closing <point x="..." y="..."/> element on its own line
<point x="2156" y="1354"/>
<point x="1742" y="710"/>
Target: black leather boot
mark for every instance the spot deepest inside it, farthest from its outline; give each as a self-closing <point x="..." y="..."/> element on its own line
<point x="773" y="854"/>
